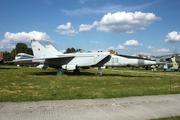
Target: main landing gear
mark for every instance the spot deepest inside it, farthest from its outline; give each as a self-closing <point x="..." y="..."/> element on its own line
<point x="60" y="71"/>
<point x="99" y="72"/>
<point x="76" y="71"/>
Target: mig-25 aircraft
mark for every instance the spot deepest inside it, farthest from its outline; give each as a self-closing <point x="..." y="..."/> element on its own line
<point x="73" y="61"/>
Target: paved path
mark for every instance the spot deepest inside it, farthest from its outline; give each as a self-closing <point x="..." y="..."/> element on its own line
<point x="130" y="108"/>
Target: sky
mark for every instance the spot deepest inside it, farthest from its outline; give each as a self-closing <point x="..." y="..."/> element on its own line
<point x="150" y="27"/>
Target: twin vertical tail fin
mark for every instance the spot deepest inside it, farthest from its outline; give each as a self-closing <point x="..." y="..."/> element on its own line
<point x="39" y="50"/>
<point x="52" y="49"/>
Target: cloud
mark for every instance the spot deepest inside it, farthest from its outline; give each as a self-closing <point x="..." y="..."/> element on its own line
<point x="84" y="27"/>
<point x="163" y="50"/>
<point x="119" y="22"/>
<point x="11" y="39"/>
<point x="126" y="22"/>
<point x="93" y="42"/>
<point x="132" y="43"/>
<point x="66" y="29"/>
<point x="104" y="9"/>
<point x="150" y="47"/>
<point x="119" y="47"/>
<point x="159" y="51"/>
<point x="87" y="27"/>
<point x="173" y="36"/>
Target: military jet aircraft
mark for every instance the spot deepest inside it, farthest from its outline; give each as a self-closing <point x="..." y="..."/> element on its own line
<point x="73" y="61"/>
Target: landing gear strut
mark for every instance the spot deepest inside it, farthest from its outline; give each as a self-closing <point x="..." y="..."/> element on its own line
<point x="99" y="71"/>
<point x="76" y="71"/>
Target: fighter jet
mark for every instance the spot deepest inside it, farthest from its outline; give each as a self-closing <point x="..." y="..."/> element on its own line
<point x="73" y="61"/>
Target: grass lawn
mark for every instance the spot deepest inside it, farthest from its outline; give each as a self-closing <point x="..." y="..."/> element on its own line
<point x="169" y="118"/>
<point x="33" y="84"/>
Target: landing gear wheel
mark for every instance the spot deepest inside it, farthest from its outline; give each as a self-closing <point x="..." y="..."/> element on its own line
<point x="98" y="74"/>
<point x="60" y="72"/>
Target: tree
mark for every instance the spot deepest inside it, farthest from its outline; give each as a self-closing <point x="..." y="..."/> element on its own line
<point x="79" y="50"/>
<point x="29" y="51"/>
<point x="22" y="48"/>
<point x="7" y="56"/>
<point x="72" y="50"/>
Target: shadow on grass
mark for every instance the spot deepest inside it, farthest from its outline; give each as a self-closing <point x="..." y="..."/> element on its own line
<point x="43" y="73"/>
<point x="125" y="75"/>
<point x="65" y="73"/>
<point x="69" y="73"/>
<point x="8" y="67"/>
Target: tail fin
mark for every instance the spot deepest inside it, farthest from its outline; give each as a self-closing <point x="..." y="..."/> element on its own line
<point x="38" y="49"/>
<point x="52" y="49"/>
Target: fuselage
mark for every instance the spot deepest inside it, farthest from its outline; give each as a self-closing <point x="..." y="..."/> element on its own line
<point x="73" y="60"/>
<point x="116" y="60"/>
<point x="23" y="56"/>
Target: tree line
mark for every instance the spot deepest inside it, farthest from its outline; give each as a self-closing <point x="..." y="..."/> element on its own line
<point x="20" y="48"/>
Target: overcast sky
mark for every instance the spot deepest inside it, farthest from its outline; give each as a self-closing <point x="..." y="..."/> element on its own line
<point x="126" y="26"/>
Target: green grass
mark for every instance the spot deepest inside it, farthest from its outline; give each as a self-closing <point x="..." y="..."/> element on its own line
<point x="169" y="118"/>
<point x="32" y="84"/>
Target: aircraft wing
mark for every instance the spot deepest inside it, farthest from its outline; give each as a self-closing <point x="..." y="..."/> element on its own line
<point x="53" y="57"/>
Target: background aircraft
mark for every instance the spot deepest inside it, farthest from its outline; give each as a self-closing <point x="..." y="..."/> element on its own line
<point x="172" y="63"/>
<point x="22" y="59"/>
<point x="143" y="57"/>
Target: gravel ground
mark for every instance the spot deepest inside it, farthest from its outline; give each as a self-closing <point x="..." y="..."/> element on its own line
<point x="130" y="108"/>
